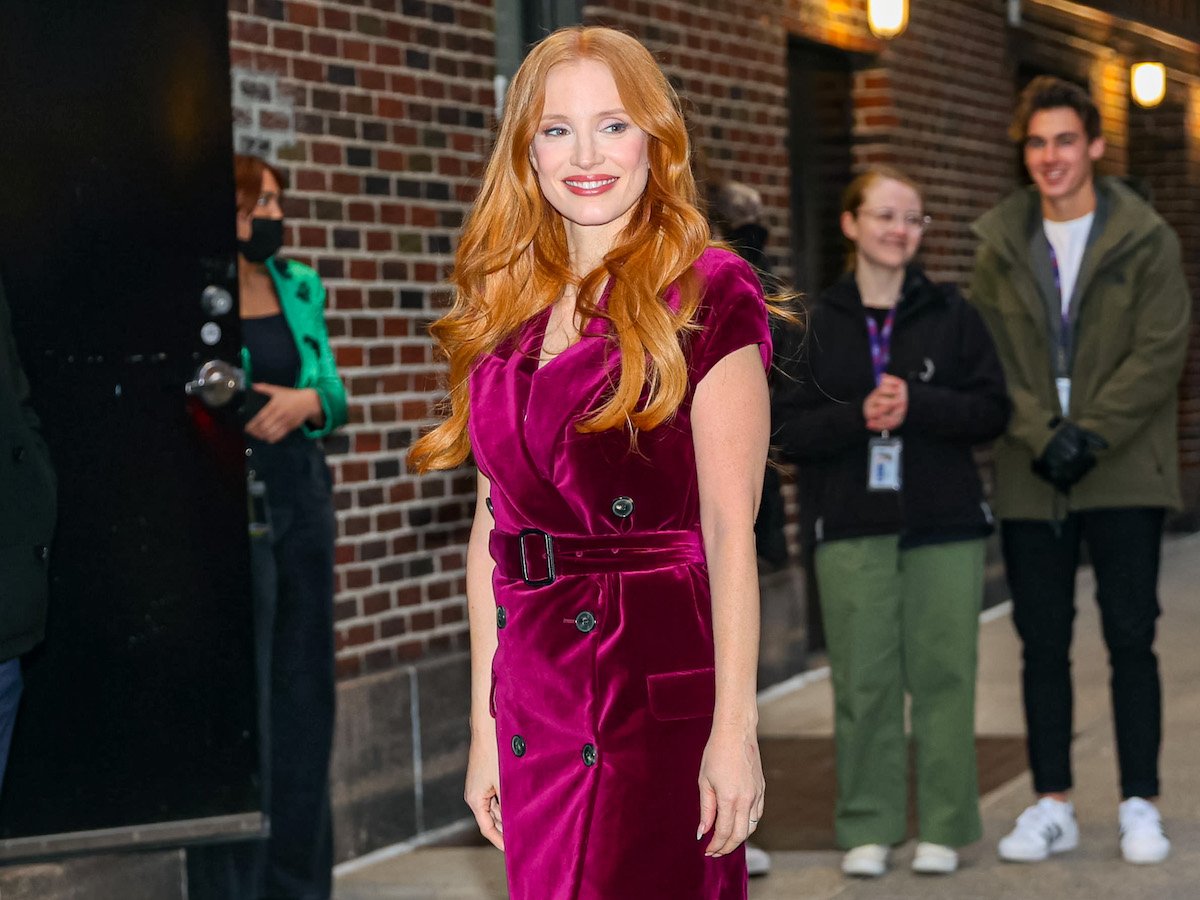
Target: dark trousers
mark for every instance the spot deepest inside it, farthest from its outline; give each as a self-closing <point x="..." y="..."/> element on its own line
<point x="1041" y="559"/>
<point x="10" y="698"/>
<point x="293" y="563"/>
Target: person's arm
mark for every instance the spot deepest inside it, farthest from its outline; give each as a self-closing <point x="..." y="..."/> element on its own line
<point x="331" y="392"/>
<point x="1150" y="372"/>
<point x="1031" y="418"/>
<point x="807" y="422"/>
<point x="810" y="425"/>
<point x="731" y="425"/>
<point x="976" y="408"/>
<point x="482" y="790"/>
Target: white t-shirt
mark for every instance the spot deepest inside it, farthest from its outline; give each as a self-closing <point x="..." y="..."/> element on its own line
<point x="1069" y="240"/>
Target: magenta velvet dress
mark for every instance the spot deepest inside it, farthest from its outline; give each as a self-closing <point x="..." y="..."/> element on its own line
<point x="602" y="683"/>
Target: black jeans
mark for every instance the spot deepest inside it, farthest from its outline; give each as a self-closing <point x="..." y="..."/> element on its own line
<point x="1041" y="559"/>
<point x="293" y="570"/>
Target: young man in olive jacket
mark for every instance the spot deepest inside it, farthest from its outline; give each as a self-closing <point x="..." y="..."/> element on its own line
<point x="27" y="513"/>
<point x="1080" y="282"/>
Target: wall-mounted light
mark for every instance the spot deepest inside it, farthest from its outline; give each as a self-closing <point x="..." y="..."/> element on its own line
<point x="887" y="18"/>
<point x="1148" y="83"/>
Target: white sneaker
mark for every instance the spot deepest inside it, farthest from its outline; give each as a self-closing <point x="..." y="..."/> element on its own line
<point x="1044" y="828"/>
<point x="1142" y="838"/>
<point x="758" y="860"/>
<point x="934" y="859"/>
<point x="867" y="861"/>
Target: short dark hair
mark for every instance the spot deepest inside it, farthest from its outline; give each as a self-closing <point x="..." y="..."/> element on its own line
<point x="1049" y="92"/>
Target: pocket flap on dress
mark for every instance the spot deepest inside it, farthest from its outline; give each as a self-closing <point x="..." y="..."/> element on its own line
<point x="689" y="694"/>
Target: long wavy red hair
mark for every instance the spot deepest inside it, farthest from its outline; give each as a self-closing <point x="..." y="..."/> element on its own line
<point x="512" y="259"/>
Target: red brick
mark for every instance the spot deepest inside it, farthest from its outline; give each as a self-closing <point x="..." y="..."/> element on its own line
<point x="303" y="13"/>
<point x="336" y="19"/>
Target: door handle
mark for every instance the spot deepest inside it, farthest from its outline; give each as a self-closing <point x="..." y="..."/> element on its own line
<point x="216" y="383"/>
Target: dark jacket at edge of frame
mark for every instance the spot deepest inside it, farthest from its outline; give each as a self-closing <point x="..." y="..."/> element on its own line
<point x="28" y="505"/>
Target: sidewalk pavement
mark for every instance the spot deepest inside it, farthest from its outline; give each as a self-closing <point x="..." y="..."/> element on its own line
<point x="1093" y="872"/>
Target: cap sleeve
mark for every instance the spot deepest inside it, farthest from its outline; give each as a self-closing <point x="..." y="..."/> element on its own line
<point x="732" y="313"/>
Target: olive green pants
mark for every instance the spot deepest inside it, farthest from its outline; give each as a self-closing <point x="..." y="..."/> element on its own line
<point x="898" y="620"/>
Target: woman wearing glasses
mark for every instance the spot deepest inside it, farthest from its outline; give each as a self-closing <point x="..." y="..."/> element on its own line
<point x="895" y="384"/>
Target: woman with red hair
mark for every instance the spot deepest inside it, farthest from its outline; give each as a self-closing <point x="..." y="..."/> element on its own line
<point x="607" y="372"/>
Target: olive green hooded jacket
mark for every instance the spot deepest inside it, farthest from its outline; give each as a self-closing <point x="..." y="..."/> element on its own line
<point x="1130" y="315"/>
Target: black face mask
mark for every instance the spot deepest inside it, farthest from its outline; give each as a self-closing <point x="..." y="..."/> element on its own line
<point x="266" y="237"/>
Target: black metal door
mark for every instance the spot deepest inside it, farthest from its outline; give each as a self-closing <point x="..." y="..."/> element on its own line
<point x="138" y="725"/>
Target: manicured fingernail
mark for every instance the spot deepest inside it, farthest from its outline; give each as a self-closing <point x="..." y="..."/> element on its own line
<point x="699" y="833"/>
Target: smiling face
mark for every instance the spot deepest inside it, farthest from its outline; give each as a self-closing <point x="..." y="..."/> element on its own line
<point x="886" y="228"/>
<point x="592" y="161"/>
<point x="1059" y="158"/>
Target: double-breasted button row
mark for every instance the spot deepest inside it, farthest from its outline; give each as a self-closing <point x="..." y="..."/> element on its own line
<point x="622" y="507"/>
<point x="501" y="616"/>
<point x="588" y="754"/>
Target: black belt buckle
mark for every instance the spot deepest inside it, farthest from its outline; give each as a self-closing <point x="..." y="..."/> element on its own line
<point x="549" y="543"/>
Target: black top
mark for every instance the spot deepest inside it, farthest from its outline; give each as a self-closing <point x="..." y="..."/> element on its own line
<point x="956" y="399"/>
<point x="879" y="314"/>
<point x="274" y="358"/>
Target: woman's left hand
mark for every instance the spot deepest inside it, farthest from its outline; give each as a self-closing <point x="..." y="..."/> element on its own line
<point x="732" y="789"/>
<point x="285" y="411"/>
<point x="891" y="404"/>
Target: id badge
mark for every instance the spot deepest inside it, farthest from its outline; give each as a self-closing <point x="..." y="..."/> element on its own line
<point x="883" y="454"/>
<point x="1064" y="394"/>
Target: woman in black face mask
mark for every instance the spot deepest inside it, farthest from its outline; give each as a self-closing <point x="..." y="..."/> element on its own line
<point x="294" y="399"/>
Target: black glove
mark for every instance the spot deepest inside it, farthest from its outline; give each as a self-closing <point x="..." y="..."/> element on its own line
<point x="1069" y="456"/>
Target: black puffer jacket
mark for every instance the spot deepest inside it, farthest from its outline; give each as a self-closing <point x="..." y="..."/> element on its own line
<point x="957" y="399"/>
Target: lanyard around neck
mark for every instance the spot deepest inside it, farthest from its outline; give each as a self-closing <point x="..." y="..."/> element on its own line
<point x="881" y="342"/>
<point x="1064" y="316"/>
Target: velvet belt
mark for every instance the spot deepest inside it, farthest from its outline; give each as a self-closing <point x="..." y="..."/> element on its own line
<point x="538" y="558"/>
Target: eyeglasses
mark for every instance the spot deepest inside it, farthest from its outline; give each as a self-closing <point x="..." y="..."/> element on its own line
<point x="889" y="217"/>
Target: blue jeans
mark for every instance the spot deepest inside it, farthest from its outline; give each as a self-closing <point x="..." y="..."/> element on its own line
<point x="10" y="696"/>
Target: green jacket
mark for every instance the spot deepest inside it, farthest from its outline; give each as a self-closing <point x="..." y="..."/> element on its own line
<point x="302" y="299"/>
<point x="28" y="505"/>
<point x="1130" y="314"/>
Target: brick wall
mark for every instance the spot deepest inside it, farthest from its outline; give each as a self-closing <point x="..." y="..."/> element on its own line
<point x="380" y="113"/>
<point x="937" y="103"/>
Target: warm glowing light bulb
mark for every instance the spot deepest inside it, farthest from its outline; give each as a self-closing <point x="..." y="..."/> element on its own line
<point x="1148" y="83"/>
<point x="887" y="18"/>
